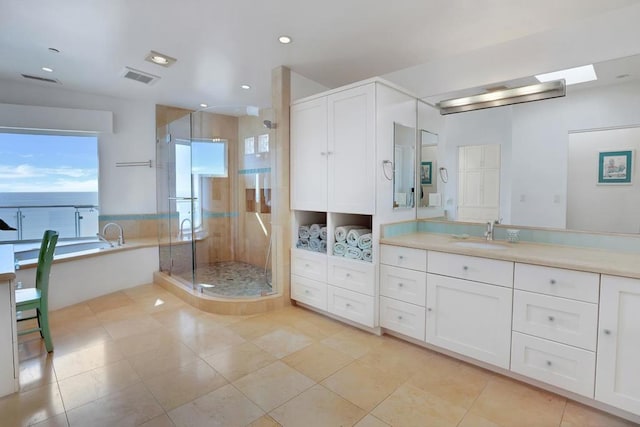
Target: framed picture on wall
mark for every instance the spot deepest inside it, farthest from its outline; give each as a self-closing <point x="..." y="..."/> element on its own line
<point x="614" y="167"/>
<point x="425" y="173"/>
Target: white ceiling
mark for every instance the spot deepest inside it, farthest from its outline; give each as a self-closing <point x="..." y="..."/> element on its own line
<point x="221" y="44"/>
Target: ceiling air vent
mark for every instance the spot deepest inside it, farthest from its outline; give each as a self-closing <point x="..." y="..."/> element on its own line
<point x="139" y="76"/>
<point x="40" y="79"/>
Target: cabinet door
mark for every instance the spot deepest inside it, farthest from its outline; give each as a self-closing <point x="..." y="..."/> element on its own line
<point x="351" y="148"/>
<point x="7" y="344"/>
<point x="309" y="155"/>
<point x="473" y="319"/>
<point x="618" y="370"/>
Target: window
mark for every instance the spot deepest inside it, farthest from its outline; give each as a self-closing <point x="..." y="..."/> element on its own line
<point x="48" y="181"/>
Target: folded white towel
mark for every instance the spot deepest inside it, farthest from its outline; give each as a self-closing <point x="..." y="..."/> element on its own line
<point x="354" y="235"/>
<point x="342" y="231"/>
<point x="314" y="244"/>
<point x="339" y="248"/>
<point x="367" y="255"/>
<point x="365" y="241"/>
<point x="302" y="244"/>
<point x="323" y="246"/>
<point x="353" y="252"/>
<point x="303" y="232"/>
<point x="314" y="230"/>
<point x="323" y="232"/>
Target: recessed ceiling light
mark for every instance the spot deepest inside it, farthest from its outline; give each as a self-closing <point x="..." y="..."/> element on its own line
<point x="245" y="87"/>
<point x="284" y="39"/>
<point x="571" y="76"/>
<point x="160" y="59"/>
<point x="204" y="105"/>
<point x="47" y="69"/>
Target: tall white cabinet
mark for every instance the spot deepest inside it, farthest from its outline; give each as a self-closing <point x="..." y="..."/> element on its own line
<point x="338" y="142"/>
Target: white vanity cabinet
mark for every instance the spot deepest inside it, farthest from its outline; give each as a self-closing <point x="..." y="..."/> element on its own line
<point x="403" y="287"/>
<point x="309" y="278"/>
<point x="555" y="320"/>
<point x="333" y="152"/>
<point x="469" y="308"/>
<point x="8" y="333"/>
<point x="618" y="369"/>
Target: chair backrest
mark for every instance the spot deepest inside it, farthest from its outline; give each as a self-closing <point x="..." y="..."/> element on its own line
<point x="45" y="259"/>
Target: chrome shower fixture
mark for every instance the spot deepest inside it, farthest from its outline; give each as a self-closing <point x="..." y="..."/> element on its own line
<point x="269" y="124"/>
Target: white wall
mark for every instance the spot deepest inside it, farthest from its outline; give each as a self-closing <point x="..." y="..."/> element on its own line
<point x="122" y="190"/>
<point x="302" y="87"/>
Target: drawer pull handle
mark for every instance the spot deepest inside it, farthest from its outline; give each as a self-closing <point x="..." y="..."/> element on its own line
<point x="552" y="281"/>
<point x="399" y="317"/>
<point x="607" y="332"/>
<point x="306" y="265"/>
<point x="322" y="153"/>
<point x="347" y="275"/>
<point x="551" y="318"/>
<point x="429" y="309"/>
<point x="400" y="257"/>
<point x="348" y="305"/>
<point x="465" y="268"/>
<point x="400" y="284"/>
<point x="549" y="363"/>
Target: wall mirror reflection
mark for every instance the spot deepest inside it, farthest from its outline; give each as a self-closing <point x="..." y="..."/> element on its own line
<point x="549" y="154"/>
<point x="404" y="149"/>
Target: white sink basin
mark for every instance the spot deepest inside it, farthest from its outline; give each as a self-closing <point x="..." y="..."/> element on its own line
<point x="480" y="245"/>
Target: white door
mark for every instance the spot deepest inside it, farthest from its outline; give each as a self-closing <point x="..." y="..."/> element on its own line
<point x="309" y="155"/>
<point x="470" y="318"/>
<point x="479" y="183"/>
<point x="351" y="148"/>
<point x="618" y="356"/>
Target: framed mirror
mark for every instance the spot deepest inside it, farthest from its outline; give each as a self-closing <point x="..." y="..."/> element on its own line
<point x="404" y="160"/>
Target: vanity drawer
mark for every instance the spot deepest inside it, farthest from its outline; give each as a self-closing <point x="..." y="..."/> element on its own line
<point x="351" y="305"/>
<point x="353" y="275"/>
<point x="415" y="259"/>
<point x="309" y="292"/>
<point x="403" y="284"/>
<point x="558" y="319"/>
<point x="561" y="365"/>
<point x="495" y="272"/>
<point x="309" y="264"/>
<point x="402" y="317"/>
<point x="559" y="282"/>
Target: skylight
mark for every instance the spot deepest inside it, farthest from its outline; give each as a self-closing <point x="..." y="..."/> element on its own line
<point x="571" y="76"/>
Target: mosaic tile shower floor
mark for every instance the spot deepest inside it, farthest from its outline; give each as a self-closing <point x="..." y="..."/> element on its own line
<point x="233" y="279"/>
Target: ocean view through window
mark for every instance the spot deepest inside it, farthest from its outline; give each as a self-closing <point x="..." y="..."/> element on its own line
<point x="48" y="181"/>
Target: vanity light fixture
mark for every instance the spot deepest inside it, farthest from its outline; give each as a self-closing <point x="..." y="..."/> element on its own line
<point x="284" y="39"/>
<point x="160" y="59"/>
<point x="571" y="76"/>
<point x="499" y="98"/>
<point x="245" y="87"/>
<point x="47" y="69"/>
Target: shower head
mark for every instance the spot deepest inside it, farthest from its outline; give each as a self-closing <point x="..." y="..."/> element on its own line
<point x="269" y="124"/>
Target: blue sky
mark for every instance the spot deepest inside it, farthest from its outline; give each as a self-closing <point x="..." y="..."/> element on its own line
<point x="48" y="163"/>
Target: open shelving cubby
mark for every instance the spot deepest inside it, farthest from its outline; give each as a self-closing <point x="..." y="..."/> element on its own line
<point x="337" y="220"/>
<point x="308" y="218"/>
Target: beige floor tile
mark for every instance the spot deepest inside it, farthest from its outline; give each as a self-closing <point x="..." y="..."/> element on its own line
<point x="353" y="342"/>
<point x="273" y="385"/>
<point x="225" y="406"/>
<point x="159" y="303"/>
<point x="89" y="386"/>
<point x="327" y="325"/>
<point x="455" y="382"/>
<point x="474" y="420"/>
<point x="70" y="315"/>
<point x="410" y="406"/>
<point x="254" y="327"/>
<point x="67" y="323"/>
<point x="186" y="319"/>
<point x="85" y="359"/>
<point x="310" y="329"/>
<point x="210" y="342"/>
<point x="318" y="361"/>
<point x="508" y="402"/>
<point x="184" y="384"/>
<point x="130" y="407"/>
<point x="57" y="421"/>
<point x="31" y="407"/>
<point x="158" y="340"/>
<point x="318" y="407"/>
<point x="109" y="302"/>
<point x="363" y="384"/>
<point x="397" y="357"/>
<point x="161" y="421"/>
<point x="145" y="291"/>
<point x="132" y="326"/>
<point x="577" y="415"/>
<point x="371" y="421"/>
<point x="31" y="346"/>
<point x="282" y="342"/>
<point x="265" y="421"/>
<point x="239" y="360"/>
<point x="36" y="371"/>
<point x="75" y="340"/>
<point x="155" y="363"/>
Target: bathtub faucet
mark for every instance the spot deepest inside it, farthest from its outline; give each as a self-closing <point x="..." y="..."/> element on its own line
<point x="120" y="233"/>
<point x="181" y="231"/>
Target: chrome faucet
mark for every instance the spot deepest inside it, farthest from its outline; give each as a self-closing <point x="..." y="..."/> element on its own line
<point x="489" y="233"/>
<point x="181" y="231"/>
<point x="120" y="233"/>
<point x="104" y="239"/>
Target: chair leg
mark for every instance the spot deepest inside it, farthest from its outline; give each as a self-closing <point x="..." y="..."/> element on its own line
<point x="43" y="322"/>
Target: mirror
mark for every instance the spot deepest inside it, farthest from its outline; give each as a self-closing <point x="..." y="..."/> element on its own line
<point x="551" y="152"/>
<point x="429" y="172"/>
<point x="404" y="149"/>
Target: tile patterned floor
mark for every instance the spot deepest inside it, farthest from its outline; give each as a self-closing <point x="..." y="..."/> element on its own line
<point x="232" y="279"/>
<point x="143" y="357"/>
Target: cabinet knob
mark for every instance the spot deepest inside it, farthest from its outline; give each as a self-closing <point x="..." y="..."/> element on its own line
<point x="399" y="317"/>
<point x="306" y="291"/>
<point x="429" y="309"/>
<point x="348" y="305"/>
<point x="329" y="153"/>
<point x="306" y="265"/>
<point x="549" y="363"/>
<point x="322" y="153"/>
<point x="551" y="318"/>
<point x="348" y="275"/>
<point x="400" y="257"/>
<point x="400" y="284"/>
<point x="552" y="281"/>
<point x="607" y="331"/>
<point x="465" y="268"/>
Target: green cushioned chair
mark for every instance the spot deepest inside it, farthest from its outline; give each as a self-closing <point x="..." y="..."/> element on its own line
<point x="37" y="298"/>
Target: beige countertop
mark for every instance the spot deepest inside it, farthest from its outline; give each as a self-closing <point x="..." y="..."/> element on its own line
<point x="574" y="258"/>
<point x="6" y="264"/>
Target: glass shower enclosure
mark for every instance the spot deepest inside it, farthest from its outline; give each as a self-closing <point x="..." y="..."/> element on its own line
<point x="213" y="199"/>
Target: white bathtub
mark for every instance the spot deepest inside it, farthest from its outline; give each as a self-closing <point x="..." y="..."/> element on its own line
<point x="31" y="253"/>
